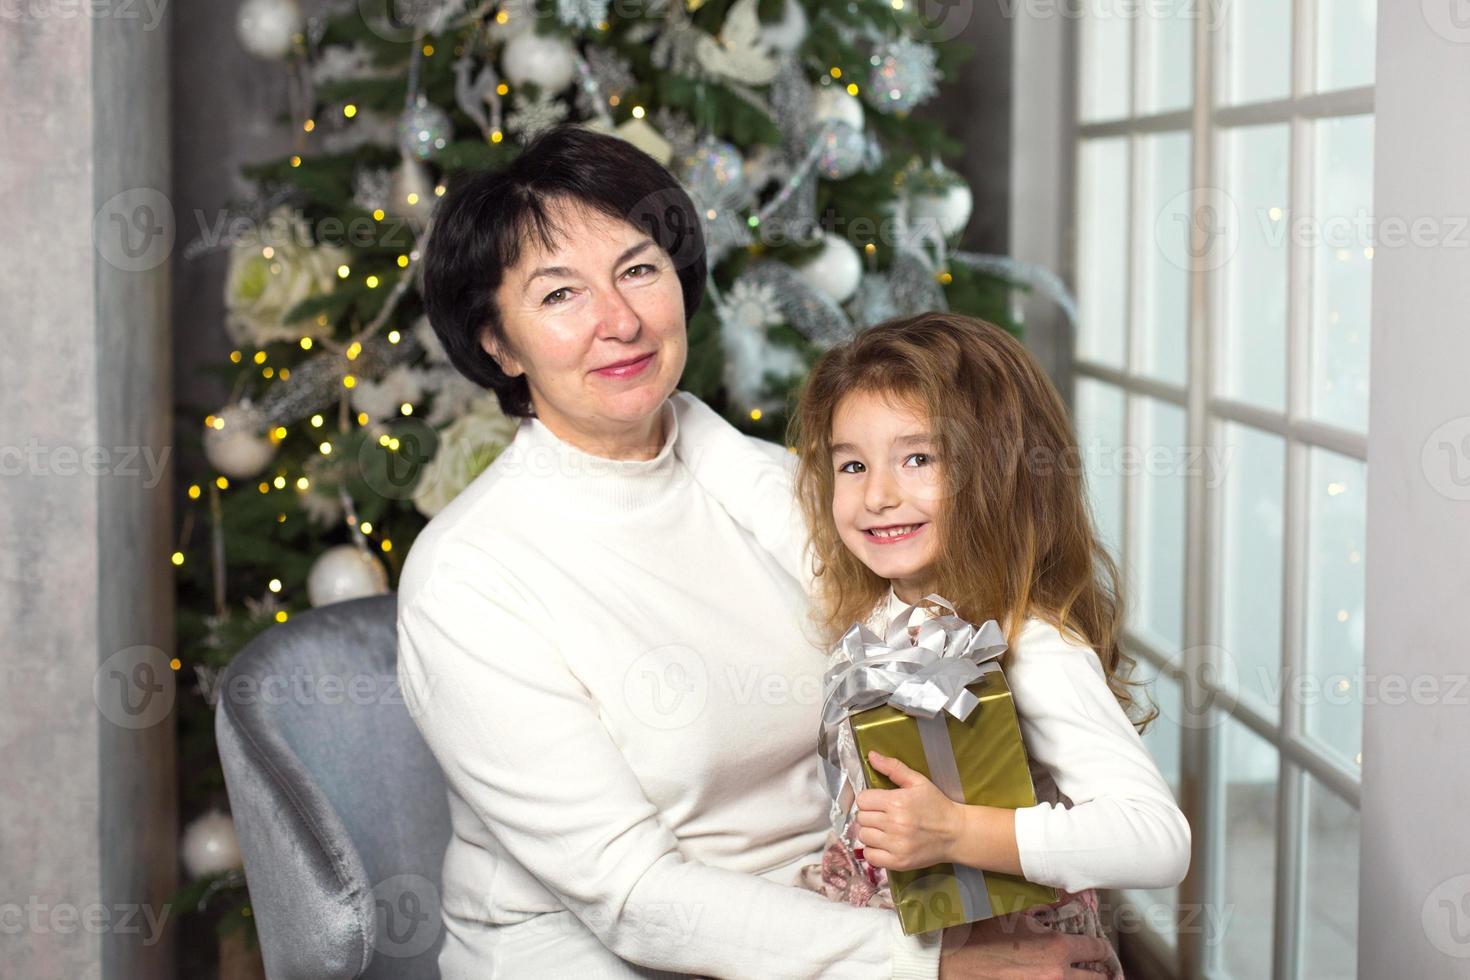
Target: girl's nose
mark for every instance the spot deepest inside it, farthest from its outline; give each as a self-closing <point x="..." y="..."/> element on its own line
<point x="881" y="491"/>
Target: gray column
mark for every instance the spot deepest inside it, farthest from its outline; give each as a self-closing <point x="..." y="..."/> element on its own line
<point x="1414" y="906"/>
<point x="87" y="809"/>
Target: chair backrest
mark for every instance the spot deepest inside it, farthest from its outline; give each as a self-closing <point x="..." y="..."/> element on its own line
<point x="339" y="806"/>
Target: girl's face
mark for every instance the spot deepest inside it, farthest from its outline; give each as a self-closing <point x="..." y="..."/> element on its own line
<point x="887" y="489"/>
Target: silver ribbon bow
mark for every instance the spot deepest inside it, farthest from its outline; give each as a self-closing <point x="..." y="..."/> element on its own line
<point x="926" y="676"/>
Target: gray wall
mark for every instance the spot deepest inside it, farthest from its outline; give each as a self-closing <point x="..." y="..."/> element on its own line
<point x="1414" y="914"/>
<point x="88" y="848"/>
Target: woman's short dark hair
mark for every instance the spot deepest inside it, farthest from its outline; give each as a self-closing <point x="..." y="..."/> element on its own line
<point x="487" y="217"/>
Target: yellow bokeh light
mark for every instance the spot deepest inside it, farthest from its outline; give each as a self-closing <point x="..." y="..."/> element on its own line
<point x="306" y="343"/>
<point x="349" y="110"/>
<point x="177" y="558"/>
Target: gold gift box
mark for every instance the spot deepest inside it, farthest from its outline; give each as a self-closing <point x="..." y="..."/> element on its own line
<point x="991" y="760"/>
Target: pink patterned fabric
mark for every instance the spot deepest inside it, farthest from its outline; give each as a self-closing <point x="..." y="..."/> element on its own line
<point x="843" y="876"/>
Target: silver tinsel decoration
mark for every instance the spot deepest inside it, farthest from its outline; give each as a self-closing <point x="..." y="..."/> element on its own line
<point x="903" y="75"/>
<point x="370" y="189"/>
<point x="874" y="300"/>
<point x="528" y="118"/>
<point x="915" y="290"/>
<point x="581" y="13"/>
<point x="811" y="313"/>
<point x="424" y="129"/>
<point x="1038" y="277"/>
<point x="318" y="380"/>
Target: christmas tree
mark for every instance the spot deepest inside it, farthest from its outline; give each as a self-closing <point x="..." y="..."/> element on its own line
<point x="827" y="208"/>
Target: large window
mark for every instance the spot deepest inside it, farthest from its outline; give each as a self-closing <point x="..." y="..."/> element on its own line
<point x="1222" y="255"/>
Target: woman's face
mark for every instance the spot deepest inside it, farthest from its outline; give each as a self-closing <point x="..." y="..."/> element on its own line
<point x="596" y="326"/>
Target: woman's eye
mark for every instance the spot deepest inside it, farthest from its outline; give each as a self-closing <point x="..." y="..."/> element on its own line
<point x="548" y="301"/>
<point x="844" y="467"/>
<point x="643" y="265"/>
<point x="925" y="458"/>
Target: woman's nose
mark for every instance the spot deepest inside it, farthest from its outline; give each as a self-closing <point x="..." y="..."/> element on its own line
<point x="616" y="318"/>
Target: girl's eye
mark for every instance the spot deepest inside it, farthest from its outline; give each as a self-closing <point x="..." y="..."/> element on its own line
<point x="925" y="457"/>
<point x="844" y="467"/>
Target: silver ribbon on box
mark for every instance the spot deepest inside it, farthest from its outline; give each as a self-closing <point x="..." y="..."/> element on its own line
<point x="926" y="676"/>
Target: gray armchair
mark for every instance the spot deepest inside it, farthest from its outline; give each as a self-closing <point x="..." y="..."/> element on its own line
<point x="339" y="807"/>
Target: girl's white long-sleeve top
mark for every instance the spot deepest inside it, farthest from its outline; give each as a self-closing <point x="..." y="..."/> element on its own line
<point x="616" y="678"/>
<point x="1124" y="829"/>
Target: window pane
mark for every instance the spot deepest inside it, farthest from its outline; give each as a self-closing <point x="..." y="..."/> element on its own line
<point x="1329" y="943"/>
<point x="1102" y="253"/>
<point x="1256" y="63"/>
<point x="1168" y="70"/>
<point x="1249" y="563"/>
<point x="1347" y="32"/>
<point x="1249" y="827"/>
<point x="1156" y="552"/>
<point x="1343" y="280"/>
<point x="1100" y="438"/>
<point x="1107" y="41"/>
<point x="1158" y="907"/>
<point x="1163" y="258"/>
<point x="1334" y="610"/>
<point x="1254" y="291"/>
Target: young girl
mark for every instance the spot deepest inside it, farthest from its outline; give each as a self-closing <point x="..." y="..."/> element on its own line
<point x="934" y="457"/>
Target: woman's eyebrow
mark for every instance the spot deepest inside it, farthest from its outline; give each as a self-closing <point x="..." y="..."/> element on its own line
<point x="561" y="270"/>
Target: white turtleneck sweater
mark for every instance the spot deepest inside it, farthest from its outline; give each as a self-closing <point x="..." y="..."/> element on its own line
<point x="614" y="675"/>
<point x="1124" y="829"/>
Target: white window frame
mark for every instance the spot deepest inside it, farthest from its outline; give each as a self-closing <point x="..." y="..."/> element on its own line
<point x="1045" y="121"/>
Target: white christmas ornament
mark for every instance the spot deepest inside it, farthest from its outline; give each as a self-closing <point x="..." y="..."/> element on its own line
<point x="209" y="845"/>
<point x="835" y="270"/>
<point x="237" y="445"/>
<point x="411" y="191"/>
<point x="787" y="34"/>
<point x="345" y="572"/>
<point x="549" y="63"/>
<point x="949" y="209"/>
<point x="267" y="28"/>
<point x="833" y="102"/>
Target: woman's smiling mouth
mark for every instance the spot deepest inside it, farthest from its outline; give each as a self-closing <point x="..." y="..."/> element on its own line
<point x="626" y="369"/>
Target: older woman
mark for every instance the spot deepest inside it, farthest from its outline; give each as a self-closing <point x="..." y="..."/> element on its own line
<point x="612" y="673"/>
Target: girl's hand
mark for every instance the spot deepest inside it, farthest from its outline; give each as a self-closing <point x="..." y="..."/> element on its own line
<point x="913" y="826"/>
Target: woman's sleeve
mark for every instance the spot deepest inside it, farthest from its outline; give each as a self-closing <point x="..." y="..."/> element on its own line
<point x="520" y="741"/>
<point x="753" y="479"/>
<point x="1124" y="829"/>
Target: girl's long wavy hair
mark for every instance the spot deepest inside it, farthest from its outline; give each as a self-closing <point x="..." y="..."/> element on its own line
<point x="1016" y="537"/>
